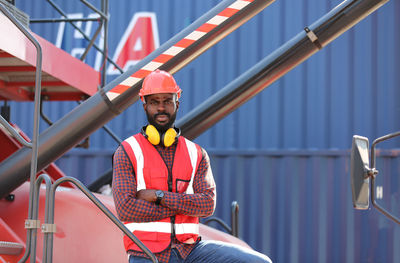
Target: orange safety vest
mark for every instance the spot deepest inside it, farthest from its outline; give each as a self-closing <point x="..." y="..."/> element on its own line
<point x="152" y="173"/>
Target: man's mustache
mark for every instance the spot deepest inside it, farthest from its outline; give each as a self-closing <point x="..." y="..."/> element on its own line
<point x="160" y="114"/>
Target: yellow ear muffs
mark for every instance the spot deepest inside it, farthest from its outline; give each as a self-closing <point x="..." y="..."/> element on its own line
<point x="169" y="137"/>
<point x="152" y="135"/>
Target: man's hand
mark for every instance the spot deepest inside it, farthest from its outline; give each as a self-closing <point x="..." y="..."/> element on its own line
<point x="147" y="195"/>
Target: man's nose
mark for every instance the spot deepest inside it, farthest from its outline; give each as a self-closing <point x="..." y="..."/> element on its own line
<point x="161" y="106"/>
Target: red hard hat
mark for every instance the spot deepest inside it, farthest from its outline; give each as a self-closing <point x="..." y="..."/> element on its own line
<point x="159" y="81"/>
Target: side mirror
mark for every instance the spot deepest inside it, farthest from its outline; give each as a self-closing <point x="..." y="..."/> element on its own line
<point x="360" y="181"/>
<point x="363" y="177"/>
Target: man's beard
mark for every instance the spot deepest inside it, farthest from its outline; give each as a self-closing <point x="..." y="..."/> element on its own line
<point x="161" y="128"/>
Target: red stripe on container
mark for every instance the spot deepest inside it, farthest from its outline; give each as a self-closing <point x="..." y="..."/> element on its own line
<point x="184" y="43"/>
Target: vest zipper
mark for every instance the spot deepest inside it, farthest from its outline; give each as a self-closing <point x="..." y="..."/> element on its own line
<point x="170" y="182"/>
<point x="170" y="190"/>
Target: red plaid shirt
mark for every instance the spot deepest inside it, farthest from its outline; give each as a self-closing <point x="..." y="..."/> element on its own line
<point x="200" y="204"/>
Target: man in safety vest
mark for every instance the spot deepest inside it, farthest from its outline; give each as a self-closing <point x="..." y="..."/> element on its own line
<point x="163" y="183"/>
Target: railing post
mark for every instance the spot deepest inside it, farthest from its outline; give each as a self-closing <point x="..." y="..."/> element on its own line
<point x="33" y="223"/>
<point x="235" y="218"/>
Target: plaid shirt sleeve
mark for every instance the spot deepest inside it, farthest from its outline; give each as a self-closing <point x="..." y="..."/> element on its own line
<point x="202" y="202"/>
<point x="124" y="192"/>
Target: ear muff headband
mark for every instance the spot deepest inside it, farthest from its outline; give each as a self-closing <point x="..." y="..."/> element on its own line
<point x="153" y="136"/>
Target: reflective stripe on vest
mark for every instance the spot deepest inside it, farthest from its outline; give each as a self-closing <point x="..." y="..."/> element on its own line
<point x="186" y="228"/>
<point x="139" y="162"/>
<point x="193" y="159"/>
<point x="162" y="227"/>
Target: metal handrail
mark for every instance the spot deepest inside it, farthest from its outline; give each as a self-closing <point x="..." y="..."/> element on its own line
<point x="35" y="138"/>
<point x="219" y="221"/>
<point x="14" y="133"/>
<point x="234" y="229"/>
<point x="373" y="161"/>
<point x="49" y="220"/>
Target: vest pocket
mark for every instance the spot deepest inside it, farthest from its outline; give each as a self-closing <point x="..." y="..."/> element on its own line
<point x="181" y="185"/>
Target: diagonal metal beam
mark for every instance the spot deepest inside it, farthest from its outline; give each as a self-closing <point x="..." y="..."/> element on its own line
<point x="123" y="91"/>
<point x="278" y="63"/>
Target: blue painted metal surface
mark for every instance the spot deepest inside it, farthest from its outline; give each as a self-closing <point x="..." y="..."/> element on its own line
<point x="284" y="155"/>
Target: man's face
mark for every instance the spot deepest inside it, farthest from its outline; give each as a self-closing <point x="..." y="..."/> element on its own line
<point x="161" y="110"/>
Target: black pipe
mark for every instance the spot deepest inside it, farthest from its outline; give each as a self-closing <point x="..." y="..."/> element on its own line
<point x="54" y="141"/>
<point x="274" y="66"/>
<point x="98" y="109"/>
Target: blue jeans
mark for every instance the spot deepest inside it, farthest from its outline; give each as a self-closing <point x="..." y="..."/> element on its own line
<point x="213" y="251"/>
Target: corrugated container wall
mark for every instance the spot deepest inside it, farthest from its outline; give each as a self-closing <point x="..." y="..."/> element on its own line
<point x="284" y="155"/>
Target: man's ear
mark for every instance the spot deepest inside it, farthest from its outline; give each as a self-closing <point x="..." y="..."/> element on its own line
<point x="177" y="104"/>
